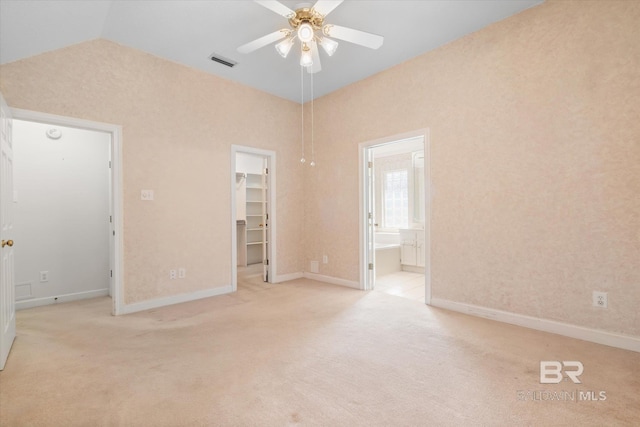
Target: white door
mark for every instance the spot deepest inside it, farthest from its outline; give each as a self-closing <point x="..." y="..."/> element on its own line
<point x="7" y="285"/>
<point x="371" y="229"/>
<point x="265" y="221"/>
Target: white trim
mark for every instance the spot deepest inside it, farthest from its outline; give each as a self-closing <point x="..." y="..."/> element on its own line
<point x="271" y="247"/>
<point x="362" y="213"/>
<point x="587" y="334"/>
<point x="362" y="208"/>
<point x="413" y="269"/>
<point x="332" y="280"/>
<point x="116" y="186"/>
<point x="287" y="277"/>
<point x="38" y="302"/>
<point x="174" y="299"/>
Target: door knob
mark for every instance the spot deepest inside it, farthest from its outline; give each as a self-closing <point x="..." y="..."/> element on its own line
<point x="7" y="243"/>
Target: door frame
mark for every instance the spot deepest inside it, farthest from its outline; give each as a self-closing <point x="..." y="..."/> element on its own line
<point x="366" y="278"/>
<point x="271" y="211"/>
<point x="116" y="248"/>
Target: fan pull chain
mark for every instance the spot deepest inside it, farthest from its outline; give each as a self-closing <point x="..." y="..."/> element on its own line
<point x="302" y="159"/>
<point x="313" y="161"/>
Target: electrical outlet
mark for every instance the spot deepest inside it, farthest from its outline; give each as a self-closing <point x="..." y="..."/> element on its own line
<point x="182" y="273"/>
<point x="146" y="194"/>
<point x="173" y="274"/>
<point x="44" y="276"/>
<point x="600" y="299"/>
<point x="325" y="259"/>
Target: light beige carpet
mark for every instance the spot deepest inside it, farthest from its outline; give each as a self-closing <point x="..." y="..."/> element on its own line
<point x="300" y="353"/>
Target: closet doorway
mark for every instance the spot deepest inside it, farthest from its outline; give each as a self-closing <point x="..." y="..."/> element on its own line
<point x="253" y="216"/>
<point x="67" y="209"/>
<point x="395" y="207"/>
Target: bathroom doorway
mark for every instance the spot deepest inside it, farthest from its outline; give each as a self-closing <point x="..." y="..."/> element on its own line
<point x="395" y="205"/>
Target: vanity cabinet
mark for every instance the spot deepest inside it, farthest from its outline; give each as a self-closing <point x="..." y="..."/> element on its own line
<point x="412" y="250"/>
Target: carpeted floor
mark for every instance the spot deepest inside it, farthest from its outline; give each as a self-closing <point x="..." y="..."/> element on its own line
<point x="301" y="353"/>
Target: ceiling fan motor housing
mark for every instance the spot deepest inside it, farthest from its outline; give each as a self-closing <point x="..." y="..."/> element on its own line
<point x="307" y="14"/>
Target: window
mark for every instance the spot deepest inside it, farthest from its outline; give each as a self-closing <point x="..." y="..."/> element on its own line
<point x="396" y="199"/>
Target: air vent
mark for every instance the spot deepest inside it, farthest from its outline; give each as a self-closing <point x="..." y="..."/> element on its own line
<point x="222" y="60"/>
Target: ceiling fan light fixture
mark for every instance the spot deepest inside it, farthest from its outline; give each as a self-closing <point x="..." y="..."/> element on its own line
<point x="306" y="59"/>
<point x="285" y="46"/>
<point x="329" y="46"/>
<point x="305" y="32"/>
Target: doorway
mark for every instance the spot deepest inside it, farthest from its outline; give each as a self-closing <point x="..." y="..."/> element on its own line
<point x="395" y="215"/>
<point x="68" y="209"/>
<point x="253" y="216"/>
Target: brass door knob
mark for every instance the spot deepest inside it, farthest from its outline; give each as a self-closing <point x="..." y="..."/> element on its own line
<point x="7" y="243"/>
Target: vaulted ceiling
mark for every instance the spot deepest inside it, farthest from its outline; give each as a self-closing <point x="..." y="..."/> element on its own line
<point x="189" y="31"/>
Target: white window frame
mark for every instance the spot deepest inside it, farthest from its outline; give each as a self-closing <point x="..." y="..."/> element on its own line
<point x="393" y="165"/>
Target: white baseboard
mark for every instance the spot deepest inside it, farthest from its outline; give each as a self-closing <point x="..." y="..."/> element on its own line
<point x="593" y="335"/>
<point x="413" y="269"/>
<point x="174" y="299"/>
<point x="332" y="280"/>
<point x="38" y="302"/>
<point x="286" y="277"/>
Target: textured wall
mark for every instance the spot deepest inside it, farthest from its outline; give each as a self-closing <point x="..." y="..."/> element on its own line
<point x="178" y="127"/>
<point x="535" y="157"/>
<point x="535" y="160"/>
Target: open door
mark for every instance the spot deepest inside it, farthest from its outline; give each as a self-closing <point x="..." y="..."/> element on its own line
<point x="371" y="226"/>
<point x="7" y="285"/>
<point x="265" y="220"/>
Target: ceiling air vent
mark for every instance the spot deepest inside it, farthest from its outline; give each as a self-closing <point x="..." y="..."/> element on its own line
<point x="222" y="60"/>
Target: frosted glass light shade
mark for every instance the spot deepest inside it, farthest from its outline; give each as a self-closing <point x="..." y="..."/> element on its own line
<point x="285" y="46"/>
<point x="306" y="60"/>
<point x="329" y="46"/>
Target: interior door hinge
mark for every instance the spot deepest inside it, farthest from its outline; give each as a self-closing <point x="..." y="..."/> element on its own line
<point x="370" y="266"/>
<point x="110" y="218"/>
<point x="109" y="164"/>
<point x="266" y="171"/>
<point x="370" y="164"/>
<point x="265" y="262"/>
<point x="110" y="273"/>
<point x="114" y="232"/>
<point x="370" y="215"/>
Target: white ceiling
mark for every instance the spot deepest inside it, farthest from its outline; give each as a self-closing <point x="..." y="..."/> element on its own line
<point x="189" y="31"/>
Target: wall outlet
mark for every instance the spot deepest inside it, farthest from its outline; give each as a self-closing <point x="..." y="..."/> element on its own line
<point x="182" y="273"/>
<point x="173" y="274"/>
<point x="146" y="194"/>
<point x="315" y="267"/>
<point x="600" y="299"/>
<point x="325" y="259"/>
<point x="44" y="276"/>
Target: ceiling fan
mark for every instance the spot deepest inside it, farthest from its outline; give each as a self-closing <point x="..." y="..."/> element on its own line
<point x="307" y="25"/>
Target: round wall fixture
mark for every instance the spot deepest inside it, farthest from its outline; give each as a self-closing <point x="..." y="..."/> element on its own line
<point x="54" y="133"/>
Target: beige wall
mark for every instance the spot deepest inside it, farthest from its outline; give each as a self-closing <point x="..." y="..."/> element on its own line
<point x="178" y="127"/>
<point x="535" y="159"/>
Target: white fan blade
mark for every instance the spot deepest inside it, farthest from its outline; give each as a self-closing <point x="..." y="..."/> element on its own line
<point x="372" y="41"/>
<point x="324" y="7"/>
<point x="263" y="41"/>
<point x="277" y="7"/>
<point x="315" y="67"/>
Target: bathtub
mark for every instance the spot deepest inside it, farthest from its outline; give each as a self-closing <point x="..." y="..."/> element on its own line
<point x="387" y="253"/>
